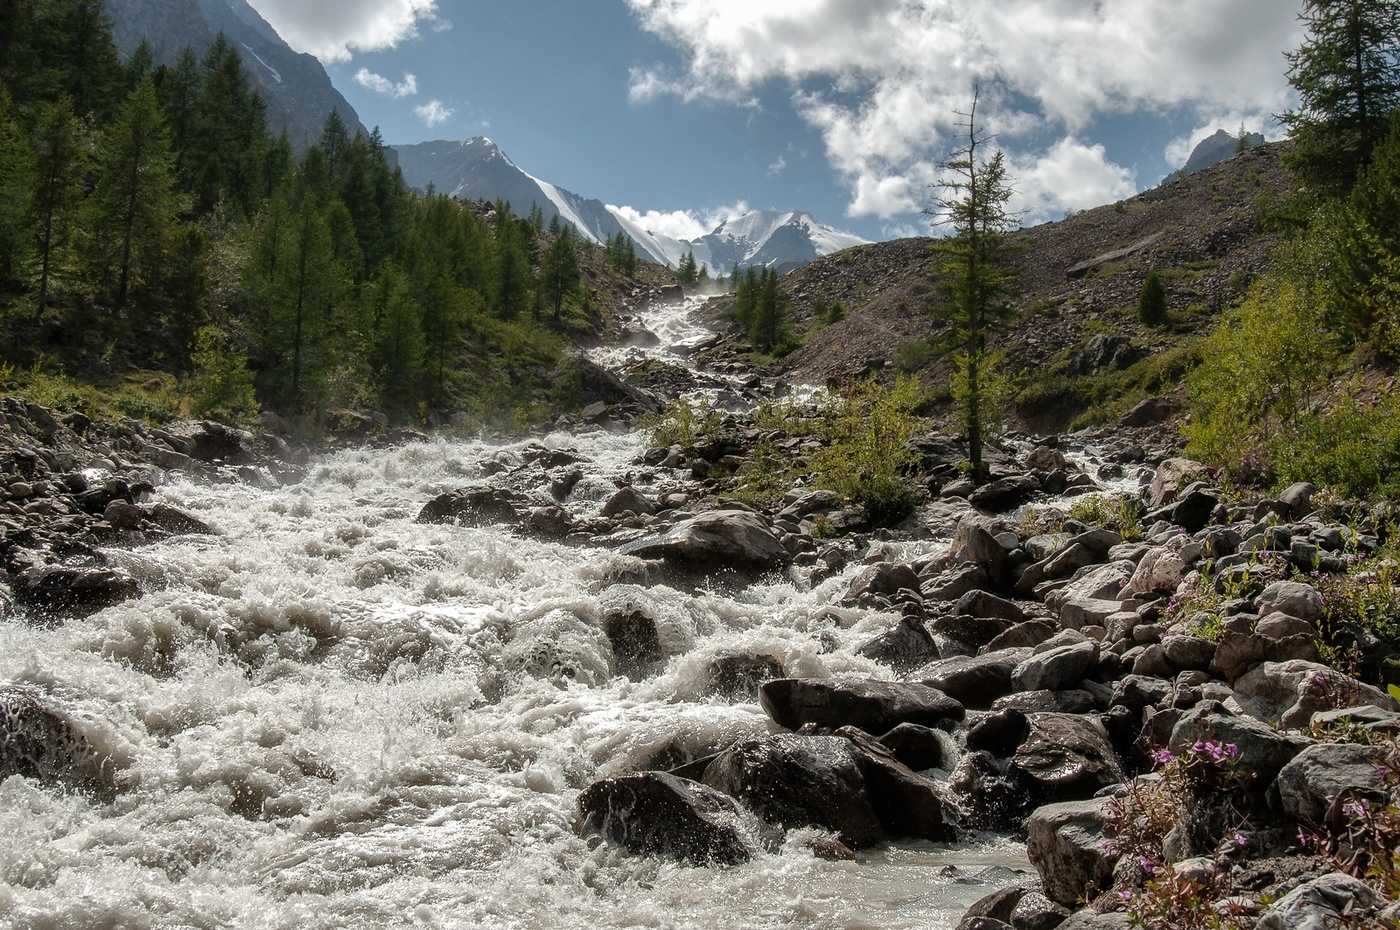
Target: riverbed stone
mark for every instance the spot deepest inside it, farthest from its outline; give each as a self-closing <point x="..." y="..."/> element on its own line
<point x="716" y="539"/>
<point x="1293" y="598"/>
<point x="1291" y="692"/>
<point x="1066" y="757"/>
<point x="1262" y="749"/>
<point x="974" y="681"/>
<point x="907" y="645"/>
<point x="1069" y="845"/>
<point x="53" y="593"/>
<point x="871" y="705"/>
<point x="653" y="813"/>
<point x="1055" y="669"/>
<point x="1309" y="784"/>
<point x="1332" y="900"/>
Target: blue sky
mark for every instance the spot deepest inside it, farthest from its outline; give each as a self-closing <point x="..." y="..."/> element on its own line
<point x="689" y="111"/>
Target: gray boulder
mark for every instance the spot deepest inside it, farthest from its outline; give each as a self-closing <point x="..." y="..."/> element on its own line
<point x="1068" y="843"/>
<point x="1318" y="775"/>
<point x="1326" y="902"/>
<point x="974" y="681"/>
<point x="1291" y="692"/>
<point x="1066" y="757"/>
<point x="1056" y="669"/>
<point x="716" y="539"/>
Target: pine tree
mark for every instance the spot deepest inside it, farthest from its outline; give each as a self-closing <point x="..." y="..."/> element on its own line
<point x="559" y="272"/>
<point x="975" y="274"/>
<point x="61" y="154"/>
<point x="228" y="134"/>
<point x="134" y="209"/>
<point x="688" y="271"/>
<point x="398" y="348"/>
<point x="1347" y="75"/>
<point x="1152" y="301"/>
<point x="770" y="327"/>
<point x="16" y="181"/>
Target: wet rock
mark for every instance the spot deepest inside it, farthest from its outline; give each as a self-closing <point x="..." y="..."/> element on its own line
<point x="479" y="505"/>
<point x="551" y="522"/>
<point x="38" y="741"/>
<point x="177" y="522"/>
<point x="985" y="604"/>
<point x="882" y="578"/>
<point x="797" y="781"/>
<point x="996" y="906"/>
<point x="915" y="746"/>
<point x="1037" y="912"/>
<point x="1068" y="843"/>
<point x="625" y="500"/>
<point x="1066" y="757"/>
<point x="1031" y="633"/>
<point x="716" y="539"/>
<point x="635" y="643"/>
<point x="54" y="593"/>
<point x="653" y="813"/>
<point x="1000" y="733"/>
<point x="955" y="583"/>
<point x="1071" y="701"/>
<point x="738" y="677"/>
<point x="974" y="681"/>
<point x="907" y="646"/>
<point x="873" y="706"/>
<point x="1004" y="493"/>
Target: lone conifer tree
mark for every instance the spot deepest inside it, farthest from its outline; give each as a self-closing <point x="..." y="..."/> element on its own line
<point x="1347" y="74"/>
<point x="975" y="276"/>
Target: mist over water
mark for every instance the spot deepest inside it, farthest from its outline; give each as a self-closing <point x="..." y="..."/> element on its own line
<point x="330" y="716"/>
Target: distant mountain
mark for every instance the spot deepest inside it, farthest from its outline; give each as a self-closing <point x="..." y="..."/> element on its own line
<point x="478" y="170"/>
<point x="298" y="92"/>
<point x="1215" y="149"/>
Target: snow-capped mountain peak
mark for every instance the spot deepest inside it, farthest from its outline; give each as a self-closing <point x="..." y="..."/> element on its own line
<point x="478" y="169"/>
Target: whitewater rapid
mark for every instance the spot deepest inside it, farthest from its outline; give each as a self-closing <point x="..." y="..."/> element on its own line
<point x="330" y="716"/>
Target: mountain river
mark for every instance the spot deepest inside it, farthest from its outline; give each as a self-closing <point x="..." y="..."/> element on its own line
<point x="331" y="716"/>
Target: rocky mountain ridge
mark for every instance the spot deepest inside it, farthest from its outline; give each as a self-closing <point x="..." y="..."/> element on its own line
<point x="298" y="92"/>
<point x="478" y="169"/>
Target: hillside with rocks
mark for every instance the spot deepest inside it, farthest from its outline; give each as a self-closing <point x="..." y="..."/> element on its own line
<point x="1079" y="280"/>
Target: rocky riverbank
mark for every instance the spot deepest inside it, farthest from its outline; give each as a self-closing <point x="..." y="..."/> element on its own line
<point x="1135" y="684"/>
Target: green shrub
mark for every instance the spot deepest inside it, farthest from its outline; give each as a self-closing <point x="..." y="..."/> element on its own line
<point x="1152" y="301"/>
<point x="868" y="459"/>
<point x="688" y="425"/>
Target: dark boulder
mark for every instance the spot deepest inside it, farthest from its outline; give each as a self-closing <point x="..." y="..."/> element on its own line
<point x="974" y="681"/>
<point x="906" y="646"/>
<point x="717" y="539"/>
<point x="653" y="813"/>
<point x="873" y="706"/>
<point x="53" y="593"/>
<point x="1066" y="757"/>
<point x="479" y="505"/>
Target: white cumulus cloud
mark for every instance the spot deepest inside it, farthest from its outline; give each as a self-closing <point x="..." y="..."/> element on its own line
<point x="382" y="85"/>
<point x="433" y="112"/>
<point x="681" y="224"/>
<point x="333" y="30"/>
<point x="882" y="80"/>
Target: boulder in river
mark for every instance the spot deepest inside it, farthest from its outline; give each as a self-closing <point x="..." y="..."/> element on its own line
<point x="60" y="592"/>
<point x="870" y="705"/>
<point x="719" y="539"/>
<point x="653" y="813"/>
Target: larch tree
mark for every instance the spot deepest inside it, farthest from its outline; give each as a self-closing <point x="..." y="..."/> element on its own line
<point x="976" y="280"/>
<point x="1347" y="75"/>
<point x="559" y="272"/>
<point x="134" y="210"/>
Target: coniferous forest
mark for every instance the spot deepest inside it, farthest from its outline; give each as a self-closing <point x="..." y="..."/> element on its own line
<point x="150" y="223"/>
